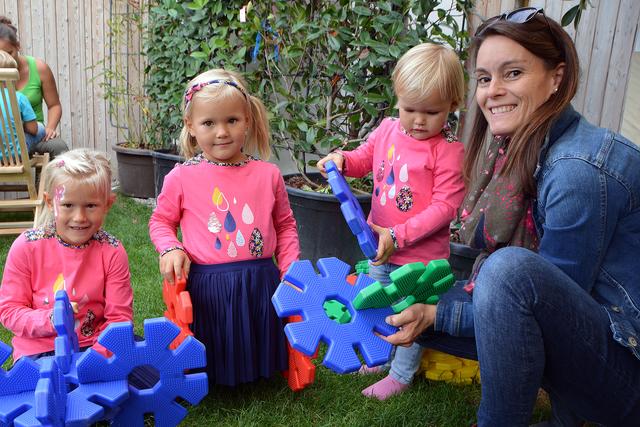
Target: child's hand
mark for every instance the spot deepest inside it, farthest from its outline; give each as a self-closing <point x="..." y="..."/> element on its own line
<point x="385" y="244"/>
<point x="173" y="263"/>
<point x="337" y="158"/>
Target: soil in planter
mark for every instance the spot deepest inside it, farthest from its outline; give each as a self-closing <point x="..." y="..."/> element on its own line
<point x="322" y="230"/>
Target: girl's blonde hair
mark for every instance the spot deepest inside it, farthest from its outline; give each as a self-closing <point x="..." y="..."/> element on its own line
<point x="429" y="67"/>
<point x="258" y="134"/>
<point x="81" y="165"/>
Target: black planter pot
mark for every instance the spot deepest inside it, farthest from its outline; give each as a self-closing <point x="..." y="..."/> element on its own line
<point x="461" y="260"/>
<point x="163" y="162"/>
<point x="135" y="171"/>
<point x="322" y="229"/>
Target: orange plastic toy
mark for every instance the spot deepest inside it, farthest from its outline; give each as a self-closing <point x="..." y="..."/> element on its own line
<point x="301" y="371"/>
<point x="179" y="309"/>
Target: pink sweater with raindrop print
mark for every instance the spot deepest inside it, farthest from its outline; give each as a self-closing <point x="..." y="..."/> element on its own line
<point x="418" y="187"/>
<point x="95" y="275"/>
<point x="226" y="213"/>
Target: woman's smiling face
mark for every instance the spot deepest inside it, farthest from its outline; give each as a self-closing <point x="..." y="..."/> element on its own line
<point x="512" y="83"/>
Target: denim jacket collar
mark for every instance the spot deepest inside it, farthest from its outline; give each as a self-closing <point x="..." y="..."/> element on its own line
<point x="564" y="120"/>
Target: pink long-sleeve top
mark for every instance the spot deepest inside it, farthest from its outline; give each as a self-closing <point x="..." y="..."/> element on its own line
<point x="226" y="212"/>
<point x="95" y="276"/>
<point x="418" y="187"/>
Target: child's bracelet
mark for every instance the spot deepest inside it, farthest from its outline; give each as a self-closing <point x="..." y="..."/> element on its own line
<point x="172" y="248"/>
<point x="393" y="237"/>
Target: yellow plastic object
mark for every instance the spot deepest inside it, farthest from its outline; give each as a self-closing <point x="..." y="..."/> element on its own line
<point x="439" y="366"/>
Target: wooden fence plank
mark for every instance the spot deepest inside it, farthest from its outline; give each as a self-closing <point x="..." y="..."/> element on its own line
<point x="23" y="23"/>
<point x="63" y="76"/>
<point x="76" y="75"/>
<point x="50" y="36"/>
<point x="619" y="65"/>
<point x="99" y="114"/>
<point x="37" y="27"/>
<point x="599" y="65"/>
<point x="584" y="47"/>
<point x="630" y="127"/>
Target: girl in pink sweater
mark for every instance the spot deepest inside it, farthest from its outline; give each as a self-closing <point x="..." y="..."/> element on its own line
<point x="234" y="215"/>
<point x="418" y="184"/>
<point x="67" y="250"/>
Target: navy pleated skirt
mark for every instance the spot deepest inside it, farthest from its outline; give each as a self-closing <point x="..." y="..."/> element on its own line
<point x="235" y="320"/>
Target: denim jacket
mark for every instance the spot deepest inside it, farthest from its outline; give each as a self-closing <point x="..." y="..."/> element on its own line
<point x="587" y="215"/>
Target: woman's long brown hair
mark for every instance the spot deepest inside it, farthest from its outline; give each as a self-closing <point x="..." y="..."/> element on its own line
<point x="546" y="39"/>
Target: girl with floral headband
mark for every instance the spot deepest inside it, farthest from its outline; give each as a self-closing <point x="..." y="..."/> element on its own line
<point x="234" y="215"/>
<point x="67" y="250"/>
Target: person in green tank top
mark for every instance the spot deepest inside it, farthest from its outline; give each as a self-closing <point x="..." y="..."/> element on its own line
<point x="38" y="84"/>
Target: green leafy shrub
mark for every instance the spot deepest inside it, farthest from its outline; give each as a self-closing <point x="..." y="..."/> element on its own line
<point x="321" y="67"/>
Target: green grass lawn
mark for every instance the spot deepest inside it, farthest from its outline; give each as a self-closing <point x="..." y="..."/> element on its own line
<point x="332" y="400"/>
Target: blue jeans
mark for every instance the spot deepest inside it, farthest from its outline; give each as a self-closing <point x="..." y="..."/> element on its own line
<point x="406" y="360"/>
<point x="32" y="140"/>
<point x="535" y="327"/>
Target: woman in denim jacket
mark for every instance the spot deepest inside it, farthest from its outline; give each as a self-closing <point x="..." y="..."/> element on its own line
<point x="554" y="203"/>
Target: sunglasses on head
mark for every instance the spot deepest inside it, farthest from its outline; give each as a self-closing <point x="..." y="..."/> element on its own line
<point x="518" y="16"/>
<point x="522" y="15"/>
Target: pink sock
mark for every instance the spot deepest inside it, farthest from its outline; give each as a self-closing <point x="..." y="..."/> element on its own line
<point x="385" y="388"/>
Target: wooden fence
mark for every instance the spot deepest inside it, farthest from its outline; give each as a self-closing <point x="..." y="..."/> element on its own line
<point x="72" y="36"/>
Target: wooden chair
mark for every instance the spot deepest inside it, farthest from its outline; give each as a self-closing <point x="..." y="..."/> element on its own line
<point x="16" y="173"/>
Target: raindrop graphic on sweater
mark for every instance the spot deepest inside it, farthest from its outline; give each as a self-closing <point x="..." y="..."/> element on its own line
<point x="247" y="214"/>
<point x="404" y="173"/>
<point x="213" y="225"/>
<point x="392" y="191"/>
<point x="229" y="222"/>
<point x="219" y="200"/>
<point x="380" y="172"/>
<point x="232" y="251"/>
<point x="240" y="238"/>
<point x="256" y="243"/>
<point x="390" y="178"/>
<point x="404" y="200"/>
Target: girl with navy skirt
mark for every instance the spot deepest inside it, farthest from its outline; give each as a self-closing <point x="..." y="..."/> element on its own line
<point x="235" y="218"/>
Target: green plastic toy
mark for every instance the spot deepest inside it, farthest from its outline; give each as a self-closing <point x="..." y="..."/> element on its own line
<point x="337" y="311"/>
<point x="362" y="267"/>
<point x="410" y="284"/>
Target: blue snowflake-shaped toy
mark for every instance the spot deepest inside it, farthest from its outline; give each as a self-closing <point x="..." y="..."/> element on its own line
<point x="313" y="290"/>
<point x="153" y="352"/>
<point x="17" y="388"/>
<point x="351" y="211"/>
<point x="66" y="343"/>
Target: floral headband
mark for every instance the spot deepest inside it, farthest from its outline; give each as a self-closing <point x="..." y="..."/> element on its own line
<point x="188" y="94"/>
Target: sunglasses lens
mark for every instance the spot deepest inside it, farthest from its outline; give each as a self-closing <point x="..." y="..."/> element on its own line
<point x="521" y="16"/>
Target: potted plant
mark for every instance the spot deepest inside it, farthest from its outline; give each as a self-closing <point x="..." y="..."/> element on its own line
<point x="322" y="68"/>
<point x="127" y="103"/>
